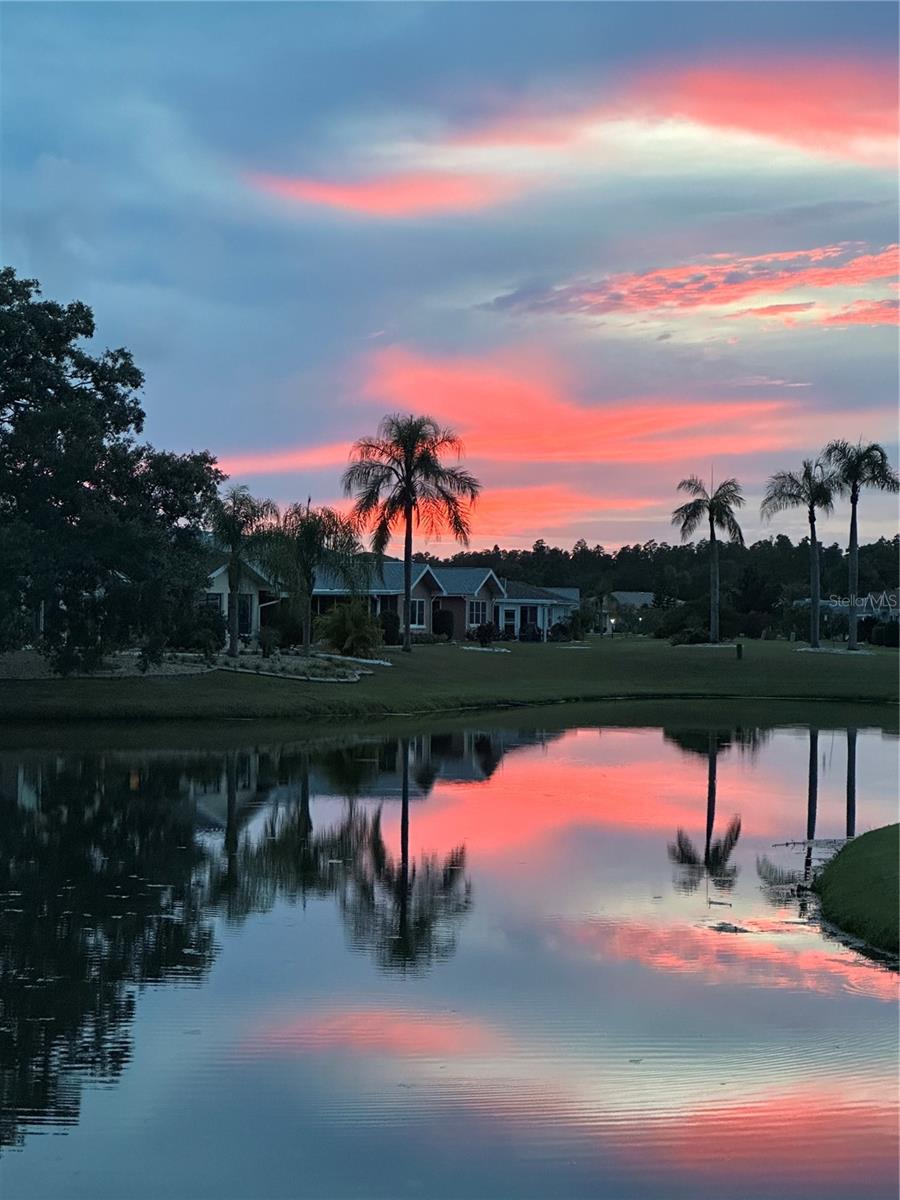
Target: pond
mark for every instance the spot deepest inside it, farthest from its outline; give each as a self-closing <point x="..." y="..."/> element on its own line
<point x="471" y="963"/>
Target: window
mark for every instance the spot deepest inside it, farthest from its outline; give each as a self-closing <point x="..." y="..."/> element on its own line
<point x="213" y="600"/>
<point x="417" y="614"/>
<point x="477" y="612"/>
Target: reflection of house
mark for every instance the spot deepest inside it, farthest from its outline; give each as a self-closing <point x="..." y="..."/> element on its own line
<point x="617" y="606"/>
<point x="474" y="596"/>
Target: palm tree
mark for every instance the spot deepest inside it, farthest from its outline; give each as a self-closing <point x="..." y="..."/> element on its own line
<point x="718" y="510"/>
<point x="398" y="479"/>
<point x="857" y="467"/>
<point x="812" y="488"/>
<point x="238" y="524"/>
<point x="305" y="541"/>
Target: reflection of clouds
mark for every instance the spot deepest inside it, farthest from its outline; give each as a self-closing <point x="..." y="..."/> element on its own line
<point x="372" y="1031"/>
<point x="731" y="959"/>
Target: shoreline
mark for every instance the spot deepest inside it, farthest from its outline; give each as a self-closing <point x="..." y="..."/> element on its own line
<point x="859" y="891"/>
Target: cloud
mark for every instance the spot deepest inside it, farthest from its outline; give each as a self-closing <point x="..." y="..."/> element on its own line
<point x="390" y="197"/>
<point x="274" y="462"/>
<point x="865" y="312"/>
<point x="831" y="106"/>
<point x="715" y="281"/>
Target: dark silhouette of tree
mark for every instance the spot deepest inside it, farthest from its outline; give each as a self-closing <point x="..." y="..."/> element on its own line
<point x="399" y="480"/>
<point x="714" y="862"/>
<point x="718" y="510"/>
<point x="855" y="468"/>
<point x="812" y="488"/>
<point x="851" y="782"/>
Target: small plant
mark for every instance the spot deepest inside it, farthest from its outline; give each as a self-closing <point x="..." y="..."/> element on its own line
<point x="442" y="624"/>
<point x="485" y="633"/>
<point x="350" y="629"/>
<point x="690" y="637"/>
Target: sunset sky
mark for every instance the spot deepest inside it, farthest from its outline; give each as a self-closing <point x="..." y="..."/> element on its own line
<point x="611" y="244"/>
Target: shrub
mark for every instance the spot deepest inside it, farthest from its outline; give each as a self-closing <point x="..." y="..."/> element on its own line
<point x="390" y="627"/>
<point x="350" y="629"/>
<point x="690" y="637"/>
<point x="425" y="639"/>
<point x="485" y="633"/>
<point x="287" y="624"/>
<point x="268" y="640"/>
<point x="200" y="628"/>
<point x="885" y="633"/>
<point x="560" y="632"/>
<point x="442" y="623"/>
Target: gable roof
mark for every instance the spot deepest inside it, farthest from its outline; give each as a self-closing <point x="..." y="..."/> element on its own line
<point x="517" y="590"/>
<point x="388" y="580"/>
<point x="466" y="581"/>
<point x="569" y="595"/>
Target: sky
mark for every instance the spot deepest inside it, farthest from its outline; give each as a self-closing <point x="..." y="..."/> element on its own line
<point x="610" y="244"/>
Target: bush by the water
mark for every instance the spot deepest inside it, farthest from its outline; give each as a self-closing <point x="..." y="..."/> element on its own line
<point x="350" y="629"/>
<point x="442" y="623"/>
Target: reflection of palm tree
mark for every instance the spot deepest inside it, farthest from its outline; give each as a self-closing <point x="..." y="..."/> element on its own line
<point x="851" y="783"/>
<point x="405" y="913"/>
<point x="714" y="862"/>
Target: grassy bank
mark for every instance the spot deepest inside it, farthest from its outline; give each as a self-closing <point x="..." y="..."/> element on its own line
<point x="860" y="889"/>
<point x="443" y="678"/>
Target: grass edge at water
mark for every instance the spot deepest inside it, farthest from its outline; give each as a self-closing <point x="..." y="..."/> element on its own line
<point x="859" y="889"/>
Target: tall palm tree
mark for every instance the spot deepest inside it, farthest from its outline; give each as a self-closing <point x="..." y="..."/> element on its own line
<point x="399" y="480"/>
<point x="812" y="488"/>
<point x="857" y="467"/>
<point x="718" y="510"/>
<point x="238" y="523"/>
<point x="306" y="540"/>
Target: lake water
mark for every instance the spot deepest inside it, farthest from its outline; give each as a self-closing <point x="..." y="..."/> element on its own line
<point x="570" y="964"/>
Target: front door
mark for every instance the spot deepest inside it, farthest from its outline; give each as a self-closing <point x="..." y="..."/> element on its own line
<point x="509" y="622"/>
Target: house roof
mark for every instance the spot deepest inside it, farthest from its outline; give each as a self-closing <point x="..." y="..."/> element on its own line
<point x="517" y="590"/>
<point x="466" y="581"/>
<point x="632" y="599"/>
<point x="571" y="595"/>
<point x="388" y="580"/>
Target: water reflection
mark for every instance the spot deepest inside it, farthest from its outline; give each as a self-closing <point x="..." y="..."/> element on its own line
<point x="714" y="864"/>
<point x="534" y="862"/>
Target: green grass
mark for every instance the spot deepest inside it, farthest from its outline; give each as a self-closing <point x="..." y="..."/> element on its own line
<point x="860" y="890"/>
<point x="446" y="679"/>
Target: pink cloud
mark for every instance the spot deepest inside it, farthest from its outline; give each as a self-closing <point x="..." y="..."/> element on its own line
<point x="865" y="312"/>
<point x="713" y="282"/>
<point x="271" y="462"/>
<point x="391" y="196"/>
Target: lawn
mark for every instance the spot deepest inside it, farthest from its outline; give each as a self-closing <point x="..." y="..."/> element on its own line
<point x="444" y="678"/>
<point x="860" y="890"/>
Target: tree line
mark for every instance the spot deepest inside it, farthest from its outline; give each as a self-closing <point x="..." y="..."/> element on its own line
<point x="108" y="538"/>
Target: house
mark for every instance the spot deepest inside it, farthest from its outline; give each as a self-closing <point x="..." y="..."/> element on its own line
<point x="615" y="604"/>
<point x="474" y="595"/>
<point x="254" y="593"/>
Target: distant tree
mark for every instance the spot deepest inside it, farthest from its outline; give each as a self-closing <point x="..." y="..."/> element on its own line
<point x="98" y="531"/>
<point x="303" y="541"/>
<point x="718" y="510"/>
<point x="240" y="524"/>
<point x="812" y="488"/>
<point x="399" y="480"/>
<point x="855" y="468"/>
